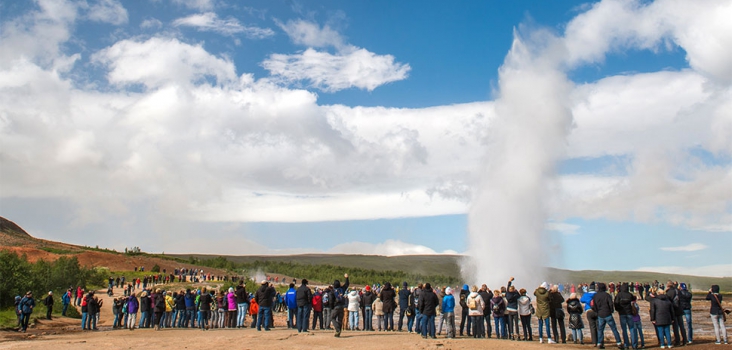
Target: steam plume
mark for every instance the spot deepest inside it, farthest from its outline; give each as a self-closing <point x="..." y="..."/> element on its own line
<point x="506" y="220"/>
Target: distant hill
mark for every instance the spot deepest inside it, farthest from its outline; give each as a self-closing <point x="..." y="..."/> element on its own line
<point x="449" y="265"/>
<point x="10" y="228"/>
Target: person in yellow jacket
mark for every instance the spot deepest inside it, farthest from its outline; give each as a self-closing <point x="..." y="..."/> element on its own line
<point x="169" y="306"/>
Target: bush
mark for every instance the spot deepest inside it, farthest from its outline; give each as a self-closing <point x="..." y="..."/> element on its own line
<point x="155" y="268"/>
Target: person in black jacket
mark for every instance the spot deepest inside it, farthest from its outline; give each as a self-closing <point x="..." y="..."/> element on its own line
<point x="388" y="299"/>
<point x="602" y="304"/>
<point x="556" y="313"/>
<point x="264" y="297"/>
<point x="678" y="325"/>
<point x="427" y="306"/>
<point x="464" y="311"/>
<point x="403" y="303"/>
<point x="367" y="299"/>
<point x="304" y="297"/>
<point x="623" y="303"/>
<point x="662" y="315"/>
<point x="180" y="309"/>
<point x="486" y="294"/>
<point x="242" y="304"/>
<point x="339" y="300"/>
<point x="716" y="311"/>
<point x="49" y="305"/>
<point x="685" y="303"/>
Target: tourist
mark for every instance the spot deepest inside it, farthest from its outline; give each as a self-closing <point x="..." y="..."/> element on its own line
<point x="388" y="298"/>
<point x="476" y="305"/>
<point x="623" y="301"/>
<point x="678" y="325"/>
<point x="602" y="303"/>
<point x="464" y="310"/>
<point x="204" y="309"/>
<point x="48" y="301"/>
<point x="662" y="316"/>
<point x="487" y="320"/>
<point x="132" y="306"/>
<point x="591" y="314"/>
<point x="317" y="306"/>
<point x="340" y="302"/>
<point x="497" y="310"/>
<point x="242" y="304"/>
<point x="556" y="314"/>
<point x="512" y="297"/>
<point x="26" y="305"/>
<point x="65" y="300"/>
<point x="328" y="304"/>
<point x="231" y="307"/>
<point x="291" y="301"/>
<point x="304" y="304"/>
<point x="353" y="301"/>
<point x="575" y="309"/>
<point x="404" y="294"/>
<point x="525" y="309"/>
<point x="637" y="326"/>
<point x="378" y="308"/>
<point x="264" y="297"/>
<point x="367" y="299"/>
<point x="717" y="314"/>
<point x="428" y="309"/>
<point x="448" y="312"/>
<point x="543" y="312"/>
<point x="685" y="297"/>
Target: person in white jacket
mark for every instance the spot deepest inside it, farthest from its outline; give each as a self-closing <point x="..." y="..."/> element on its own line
<point x="524" y="311"/>
<point x="353" y="308"/>
<point x="476" y="304"/>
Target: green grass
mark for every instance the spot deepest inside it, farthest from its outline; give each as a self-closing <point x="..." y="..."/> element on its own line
<point x="8" y="320"/>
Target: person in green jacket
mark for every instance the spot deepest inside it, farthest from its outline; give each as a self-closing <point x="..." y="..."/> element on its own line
<point x="543" y="312"/>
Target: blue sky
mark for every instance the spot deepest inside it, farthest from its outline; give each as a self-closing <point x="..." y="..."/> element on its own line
<point x="368" y="126"/>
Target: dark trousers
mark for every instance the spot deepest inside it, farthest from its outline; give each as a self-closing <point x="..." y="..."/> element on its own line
<point x="487" y="322"/>
<point x="303" y="318"/>
<point x="526" y="325"/>
<point x="679" y="325"/>
<point x="592" y="321"/>
<point x="317" y="316"/>
<point x="338" y="318"/>
<point x="477" y="326"/>
<point x="562" y="330"/>
<point x="24" y="319"/>
<point x="402" y="311"/>
<point x="463" y="317"/>
<point x="49" y="309"/>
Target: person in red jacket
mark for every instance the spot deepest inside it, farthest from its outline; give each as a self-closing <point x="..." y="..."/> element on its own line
<point x="318" y="308"/>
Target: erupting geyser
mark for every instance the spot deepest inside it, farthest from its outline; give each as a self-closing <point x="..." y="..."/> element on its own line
<point x="506" y="234"/>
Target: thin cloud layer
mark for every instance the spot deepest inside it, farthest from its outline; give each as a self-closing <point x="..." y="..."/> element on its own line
<point x="210" y="22"/>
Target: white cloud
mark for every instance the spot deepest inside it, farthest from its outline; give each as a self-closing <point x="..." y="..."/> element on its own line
<point x="151" y="23"/>
<point x="358" y="68"/>
<point x="721" y="270"/>
<point x="563" y="227"/>
<point x="197" y="4"/>
<point x="390" y="247"/>
<point x="348" y="67"/>
<point x="310" y="34"/>
<point x="107" y="11"/>
<point x="159" y="61"/>
<point x="693" y="247"/>
<point x="209" y="22"/>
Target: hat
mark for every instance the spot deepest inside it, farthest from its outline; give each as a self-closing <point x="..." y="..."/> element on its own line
<point x="592" y="287"/>
<point x="264" y="281"/>
<point x="683" y="286"/>
<point x="50" y="292"/>
<point x="465" y="287"/>
<point x="448" y="291"/>
<point x="545" y="285"/>
<point x="404" y="284"/>
<point x="368" y="288"/>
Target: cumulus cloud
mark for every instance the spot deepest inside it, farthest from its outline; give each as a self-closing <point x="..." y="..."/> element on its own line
<point x="390" y="247"/>
<point x="348" y="67"/>
<point x="693" y="247"/>
<point x="563" y="227"/>
<point x="107" y="11"/>
<point x="197" y="4"/>
<point x="209" y="22"/>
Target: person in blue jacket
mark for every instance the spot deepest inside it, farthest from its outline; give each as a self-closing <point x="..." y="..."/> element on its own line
<point x="448" y="312"/>
<point x="66" y="300"/>
<point x="591" y="314"/>
<point x="291" y="301"/>
<point x="26" y="308"/>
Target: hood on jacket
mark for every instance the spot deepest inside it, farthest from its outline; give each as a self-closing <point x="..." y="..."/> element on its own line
<point x="336" y="284"/>
<point x="448" y="291"/>
<point x="542" y="290"/>
<point x="465" y="287"/>
<point x="523" y="300"/>
<point x="601" y="287"/>
<point x="715" y="289"/>
<point x="353" y="293"/>
<point x="592" y="287"/>
<point x="427" y="287"/>
<point x="545" y="285"/>
<point x="473" y="294"/>
<point x="624" y="287"/>
<point x="404" y="284"/>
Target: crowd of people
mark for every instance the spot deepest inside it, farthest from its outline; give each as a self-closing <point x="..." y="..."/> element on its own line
<point x="428" y="310"/>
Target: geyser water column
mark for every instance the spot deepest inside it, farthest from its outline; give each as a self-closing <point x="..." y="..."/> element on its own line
<point x="506" y="234"/>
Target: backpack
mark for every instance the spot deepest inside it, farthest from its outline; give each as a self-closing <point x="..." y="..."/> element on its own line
<point x="472" y="303"/>
<point x="462" y="300"/>
<point x="326" y="298"/>
<point x="497" y="307"/>
<point x="634" y="308"/>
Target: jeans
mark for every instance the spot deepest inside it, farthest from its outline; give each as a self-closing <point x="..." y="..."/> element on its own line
<point x="24" y="319"/>
<point x="690" y="328"/>
<point x="143" y="318"/>
<point x="626" y="324"/>
<point x="463" y="318"/>
<point x="389" y="321"/>
<point x="303" y="318"/>
<point x="513" y="325"/>
<point x="449" y="318"/>
<point x="173" y="320"/>
<point x="241" y="315"/>
<point x="263" y="318"/>
<point x="477" y="321"/>
<point x="84" y="315"/>
<point x="577" y="335"/>
<point x="501" y="327"/>
<point x="327" y="314"/>
<point x="638" y="332"/>
<point x="402" y="313"/>
<point x="418" y="324"/>
<point x="720" y="331"/>
<point x="487" y="321"/>
<point x="664" y="335"/>
<point x="291" y="317"/>
<point x="679" y="330"/>
<point x="353" y="319"/>
<point x="203" y="319"/>
<point x="367" y="319"/>
<point x="190" y="318"/>
<point x="544" y="323"/>
<point x="410" y="322"/>
<point x="601" y="322"/>
<point x="526" y="325"/>
<point x="428" y="325"/>
<point x="63" y="311"/>
<point x="117" y="319"/>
